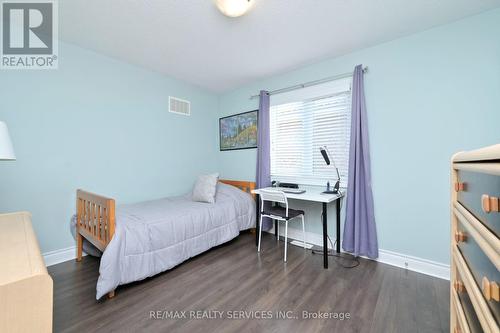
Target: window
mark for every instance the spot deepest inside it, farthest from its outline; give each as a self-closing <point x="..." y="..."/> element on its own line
<point x="304" y="120"/>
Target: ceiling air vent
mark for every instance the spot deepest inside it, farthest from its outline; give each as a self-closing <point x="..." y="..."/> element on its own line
<point x="179" y="106"/>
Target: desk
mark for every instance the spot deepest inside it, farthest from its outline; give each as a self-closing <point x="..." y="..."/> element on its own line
<point x="313" y="194"/>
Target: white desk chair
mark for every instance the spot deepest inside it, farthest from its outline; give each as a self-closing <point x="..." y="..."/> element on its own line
<point x="281" y="214"/>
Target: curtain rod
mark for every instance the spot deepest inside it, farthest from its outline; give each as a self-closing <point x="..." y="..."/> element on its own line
<point x="310" y="83"/>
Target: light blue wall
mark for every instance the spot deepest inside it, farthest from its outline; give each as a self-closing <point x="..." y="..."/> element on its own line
<point x="428" y="96"/>
<point x="101" y="125"/>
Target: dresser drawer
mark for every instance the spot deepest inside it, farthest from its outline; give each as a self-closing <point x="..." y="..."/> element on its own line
<point x="483" y="313"/>
<point x="484" y="271"/>
<point x="480" y="193"/>
<point x="465" y="303"/>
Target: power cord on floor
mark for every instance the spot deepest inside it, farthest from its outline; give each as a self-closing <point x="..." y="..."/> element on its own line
<point x="333" y="253"/>
<point x="342" y="255"/>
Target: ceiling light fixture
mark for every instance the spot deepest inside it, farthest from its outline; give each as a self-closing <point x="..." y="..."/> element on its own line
<point x="234" y="8"/>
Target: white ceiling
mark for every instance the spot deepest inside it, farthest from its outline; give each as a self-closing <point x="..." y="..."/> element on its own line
<point x="190" y="40"/>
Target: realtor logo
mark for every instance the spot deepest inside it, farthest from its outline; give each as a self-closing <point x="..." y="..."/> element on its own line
<point x="29" y="35"/>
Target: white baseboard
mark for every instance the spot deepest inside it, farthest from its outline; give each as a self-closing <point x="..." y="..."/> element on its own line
<point x="411" y="263"/>
<point x="59" y="256"/>
<point x="415" y="264"/>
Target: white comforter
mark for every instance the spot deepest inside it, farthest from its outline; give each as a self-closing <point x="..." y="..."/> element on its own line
<point x="154" y="236"/>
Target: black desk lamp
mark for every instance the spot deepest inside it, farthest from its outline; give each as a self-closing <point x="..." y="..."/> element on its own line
<point x="324" y="152"/>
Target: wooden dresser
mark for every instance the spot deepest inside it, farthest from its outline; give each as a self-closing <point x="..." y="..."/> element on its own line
<point x="475" y="243"/>
<point x="25" y="285"/>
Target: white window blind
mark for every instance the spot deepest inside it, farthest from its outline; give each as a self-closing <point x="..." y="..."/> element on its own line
<point x="299" y="128"/>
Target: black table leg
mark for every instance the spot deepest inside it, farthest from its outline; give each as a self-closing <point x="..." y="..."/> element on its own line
<point x="257" y="226"/>
<point x="325" y="240"/>
<point x="338" y="224"/>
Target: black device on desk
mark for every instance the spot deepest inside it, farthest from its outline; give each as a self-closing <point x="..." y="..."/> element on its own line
<point x="275" y="183"/>
<point x="288" y="187"/>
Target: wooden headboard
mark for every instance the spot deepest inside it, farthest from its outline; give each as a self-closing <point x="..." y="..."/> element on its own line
<point x="242" y="185"/>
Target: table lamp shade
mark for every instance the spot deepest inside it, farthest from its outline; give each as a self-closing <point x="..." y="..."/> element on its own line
<point x="6" y="149"/>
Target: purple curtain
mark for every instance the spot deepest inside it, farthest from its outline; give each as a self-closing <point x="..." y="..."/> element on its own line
<point x="360" y="234"/>
<point x="264" y="150"/>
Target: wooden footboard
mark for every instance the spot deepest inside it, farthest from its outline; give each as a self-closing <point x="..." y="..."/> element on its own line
<point x="95" y="220"/>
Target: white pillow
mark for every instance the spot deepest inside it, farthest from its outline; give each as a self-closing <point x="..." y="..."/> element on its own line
<point x="205" y="188"/>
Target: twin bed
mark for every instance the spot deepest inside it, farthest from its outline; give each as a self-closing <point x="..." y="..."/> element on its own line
<point x="141" y="240"/>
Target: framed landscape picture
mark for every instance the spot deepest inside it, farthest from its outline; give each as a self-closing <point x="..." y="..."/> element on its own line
<point x="238" y="131"/>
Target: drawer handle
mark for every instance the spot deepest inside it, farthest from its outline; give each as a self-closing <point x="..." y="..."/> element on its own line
<point x="489" y="204"/>
<point x="490" y="290"/>
<point x="459" y="186"/>
<point x="460" y="236"/>
<point x="458" y="286"/>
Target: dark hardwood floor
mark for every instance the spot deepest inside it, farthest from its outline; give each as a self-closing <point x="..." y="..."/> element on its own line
<point x="233" y="277"/>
